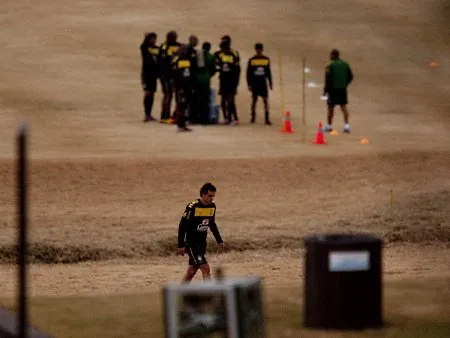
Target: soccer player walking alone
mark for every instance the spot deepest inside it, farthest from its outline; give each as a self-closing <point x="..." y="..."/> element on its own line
<point x="338" y="75"/>
<point x="198" y="217"/>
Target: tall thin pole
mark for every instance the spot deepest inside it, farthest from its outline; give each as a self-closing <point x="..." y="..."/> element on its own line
<point x="304" y="101"/>
<point x="280" y="71"/>
<point x="23" y="228"/>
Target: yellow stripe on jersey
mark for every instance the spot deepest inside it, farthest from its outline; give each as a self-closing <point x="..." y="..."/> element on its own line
<point x="172" y="50"/>
<point x="204" y="212"/>
<point x="184" y="64"/>
<point x="259" y="62"/>
<point x="153" y="51"/>
<point x="227" y="58"/>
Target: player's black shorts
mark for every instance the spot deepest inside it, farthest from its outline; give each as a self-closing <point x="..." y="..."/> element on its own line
<point x="149" y="84"/>
<point x="337" y="96"/>
<point x="227" y="88"/>
<point x="183" y="95"/>
<point x="196" y="255"/>
<point x="260" y="91"/>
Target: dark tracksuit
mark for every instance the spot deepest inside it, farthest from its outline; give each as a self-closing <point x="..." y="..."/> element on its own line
<point x="184" y="72"/>
<point x="228" y="66"/>
<point x="258" y="74"/>
<point x="165" y="55"/>
<point x="149" y="74"/>
<point x="193" y="114"/>
<point x="338" y="75"/>
<point x="193" y="230"/>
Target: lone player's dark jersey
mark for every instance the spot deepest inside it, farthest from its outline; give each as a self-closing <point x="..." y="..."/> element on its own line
<point x="228" y="66"/>
<point x="183" y="71"/>
<point x="259" y="71"/>
<point x="165" y="57"/>
<point x="194" y="225"/>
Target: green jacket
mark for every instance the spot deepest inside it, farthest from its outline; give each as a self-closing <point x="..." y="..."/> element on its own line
<point x="204" y="74"/>
<point x="338" y="75"/>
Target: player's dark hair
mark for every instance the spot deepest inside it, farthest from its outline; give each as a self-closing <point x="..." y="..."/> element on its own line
<point x="334" y="53"/>
<point x="147" y="38"/>
<point x="172" y="36"/>
<point x="226" y="38"/>
<point x="206" y="46"/>
<point x="259" y="46"/>
<point x="207" y="187"/>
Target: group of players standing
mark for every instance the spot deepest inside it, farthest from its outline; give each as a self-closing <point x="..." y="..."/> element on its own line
<point x="186" y="71"/>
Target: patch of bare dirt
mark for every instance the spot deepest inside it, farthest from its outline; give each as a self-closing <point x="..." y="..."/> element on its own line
<point x="423" y="219"/>
<point x="100" y="210"/>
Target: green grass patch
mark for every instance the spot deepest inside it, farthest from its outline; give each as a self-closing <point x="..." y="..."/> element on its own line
<point x="411" y="309"/>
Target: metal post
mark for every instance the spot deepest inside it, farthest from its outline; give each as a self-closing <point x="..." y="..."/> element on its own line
<point x="22" y="225"/>
<point x="304" y="101"/>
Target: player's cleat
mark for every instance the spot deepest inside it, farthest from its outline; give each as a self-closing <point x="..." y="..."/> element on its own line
<point x="183" y="129"/>
<point x="328" y="128"/>
<point x="149" y="119"/>
<point x="252" y="120"/>
<point x="347" y="129"/>
<point x="268" y="123"/>
<point x="235" y="122"/>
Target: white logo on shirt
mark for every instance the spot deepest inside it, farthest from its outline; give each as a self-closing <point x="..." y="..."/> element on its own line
<point x="204" y="226"/>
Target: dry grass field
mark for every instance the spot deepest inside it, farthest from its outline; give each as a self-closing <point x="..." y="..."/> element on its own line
<point x="107" y="190"/>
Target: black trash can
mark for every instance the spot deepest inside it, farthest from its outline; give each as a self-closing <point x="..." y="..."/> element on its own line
<point x="343" y="281"/>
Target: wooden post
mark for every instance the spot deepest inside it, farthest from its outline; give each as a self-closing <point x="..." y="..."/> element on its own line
<point x="304" y="101"/>
<point x="280" y="71"/>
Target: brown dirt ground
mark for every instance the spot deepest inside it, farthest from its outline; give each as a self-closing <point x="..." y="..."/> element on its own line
<point x="107" y="191"/>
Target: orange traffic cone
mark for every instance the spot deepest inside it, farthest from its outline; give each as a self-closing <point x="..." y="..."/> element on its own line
<point x="433" y="64"/>
<point x="320" y="139"/>
<point x="287" y="126"/>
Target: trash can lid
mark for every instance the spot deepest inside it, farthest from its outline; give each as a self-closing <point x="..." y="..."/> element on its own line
<point x="342" y="238"/>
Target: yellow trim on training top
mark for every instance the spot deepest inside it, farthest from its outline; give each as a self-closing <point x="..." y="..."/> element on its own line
<point x="259" y="62"/>
<point x="184" y="64"/>
<point x="204" y="212"/>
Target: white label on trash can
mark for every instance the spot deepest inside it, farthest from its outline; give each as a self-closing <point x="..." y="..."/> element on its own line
<point x="349" y="261"/>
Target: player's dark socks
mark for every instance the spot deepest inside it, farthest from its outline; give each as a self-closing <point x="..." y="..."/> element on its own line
<point x="148" y="105"/>
<point x="267" y="118"/>
<point x="233" y="112"/>
<point x="224" y="107"/>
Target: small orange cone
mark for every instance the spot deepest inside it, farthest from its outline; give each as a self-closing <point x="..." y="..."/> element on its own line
<point x="287" y="126"/>
<point x="364" y="141"/>
<point x="320" y="139"/>
<point x="433" y="64"/>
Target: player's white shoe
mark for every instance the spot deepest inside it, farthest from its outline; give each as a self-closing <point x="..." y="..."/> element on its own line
<point x="347" y="128"/>
<point x="328" y="128"/>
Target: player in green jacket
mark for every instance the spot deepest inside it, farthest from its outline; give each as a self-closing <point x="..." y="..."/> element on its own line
<point x="338" y="75"/>
<point x="205" y="71"/>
